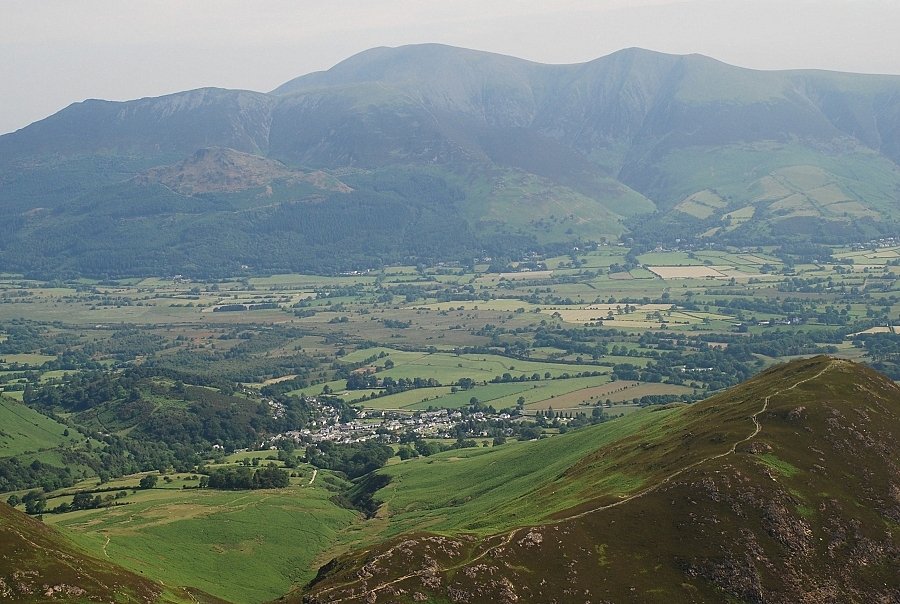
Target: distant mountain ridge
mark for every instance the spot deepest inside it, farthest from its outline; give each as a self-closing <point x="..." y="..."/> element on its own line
<point x="635" y="141"/>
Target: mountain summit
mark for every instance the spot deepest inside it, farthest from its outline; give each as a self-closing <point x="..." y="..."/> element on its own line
<point x="654" y="145"/>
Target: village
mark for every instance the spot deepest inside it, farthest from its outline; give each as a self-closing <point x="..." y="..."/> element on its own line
<point x="389" y="426"/>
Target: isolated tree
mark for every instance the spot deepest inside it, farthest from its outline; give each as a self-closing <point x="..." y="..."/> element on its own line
<point x="149" y="481"/>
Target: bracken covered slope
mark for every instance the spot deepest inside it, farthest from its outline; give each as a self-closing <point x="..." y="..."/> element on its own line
<point x="37" y="564"/>
<point x="795" y="498"/>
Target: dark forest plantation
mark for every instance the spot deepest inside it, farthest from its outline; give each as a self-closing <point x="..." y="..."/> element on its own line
<point x="440" y="325"/>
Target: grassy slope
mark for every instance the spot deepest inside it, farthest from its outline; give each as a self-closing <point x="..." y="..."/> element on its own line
<point x="519" y="201"/>
<point x="488" y="489"/>
<point x="24" y="430"/>
<point x="240" y="546"/>
<point x="740" y="174"/>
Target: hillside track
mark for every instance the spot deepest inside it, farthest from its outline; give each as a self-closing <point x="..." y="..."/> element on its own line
<point x="508" y="537"/>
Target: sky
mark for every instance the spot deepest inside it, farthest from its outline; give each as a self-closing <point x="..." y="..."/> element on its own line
<point x="56" y="52"/>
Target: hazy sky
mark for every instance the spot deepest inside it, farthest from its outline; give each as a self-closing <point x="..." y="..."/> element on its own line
<point x="55" y="52"/>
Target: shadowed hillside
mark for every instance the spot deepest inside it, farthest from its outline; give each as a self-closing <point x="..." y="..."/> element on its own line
<point x="783" y="489"/>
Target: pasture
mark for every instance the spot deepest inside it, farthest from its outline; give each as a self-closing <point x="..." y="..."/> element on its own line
<point x="618" y="392"/>
<point x="448" y="368"/>
<point x="243" y="546"/>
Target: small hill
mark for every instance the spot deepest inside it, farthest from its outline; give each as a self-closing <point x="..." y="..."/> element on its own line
<point x="37" y="564"/>
<point x="783" y="489"/>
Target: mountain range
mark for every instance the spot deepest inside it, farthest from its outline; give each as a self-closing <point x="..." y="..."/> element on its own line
<point x="458" y="154"/>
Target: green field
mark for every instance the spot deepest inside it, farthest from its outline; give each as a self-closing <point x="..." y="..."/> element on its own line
<point x="241" y="546"/>
<point x="489" y="394"/>
<point x="26" y="359"/>
<point x="410" y="399"/>
<point x="448" y="368"/>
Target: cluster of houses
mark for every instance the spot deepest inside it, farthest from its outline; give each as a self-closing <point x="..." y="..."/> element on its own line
<point x="384" y="426"/>
<point x="883" y="242"/>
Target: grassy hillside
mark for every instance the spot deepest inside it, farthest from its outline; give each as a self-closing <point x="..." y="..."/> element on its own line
<point x="24" y="430"/>
<point x="239" y="546"/>
<point x="485" y="490"/>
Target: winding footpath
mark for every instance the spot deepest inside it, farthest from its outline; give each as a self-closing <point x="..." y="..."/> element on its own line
<point x="757" y="428"/>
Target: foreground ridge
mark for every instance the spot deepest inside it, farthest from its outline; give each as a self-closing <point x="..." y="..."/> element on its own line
<point x="763" y="501"/>
<point x="511" y="535"/>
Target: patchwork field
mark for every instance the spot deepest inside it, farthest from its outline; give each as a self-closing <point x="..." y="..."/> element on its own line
<point x="617" y="392"/>
<point x="515" y="340"/>
<point x="520" y="276"/>
<point x="701" y="204"/>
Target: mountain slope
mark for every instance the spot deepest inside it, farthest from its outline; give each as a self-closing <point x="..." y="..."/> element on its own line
<point x="223" y="170"/>
<point x="629" y="141"/>
<point x="38" y="565"/>
<point x="783" y="489"/>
